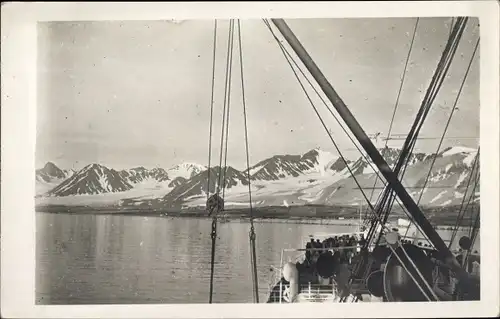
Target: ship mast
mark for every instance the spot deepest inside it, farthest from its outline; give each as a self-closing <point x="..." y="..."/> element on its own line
<point x="371" y="150"/>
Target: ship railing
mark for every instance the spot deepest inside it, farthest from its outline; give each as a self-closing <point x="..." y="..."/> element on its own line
<point x="308" y="292"/>
<point x="278" y="272"/>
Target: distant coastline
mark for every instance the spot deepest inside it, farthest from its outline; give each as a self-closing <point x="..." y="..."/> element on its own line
<point x="322" y="215"/>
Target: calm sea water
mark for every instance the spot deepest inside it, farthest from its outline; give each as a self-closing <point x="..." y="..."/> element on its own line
<point x="106" y="259"/>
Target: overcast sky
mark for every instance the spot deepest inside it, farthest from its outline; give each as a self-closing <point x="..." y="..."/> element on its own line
<point x="135" y="93"/>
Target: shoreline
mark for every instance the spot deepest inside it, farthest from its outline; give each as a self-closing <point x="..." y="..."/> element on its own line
<point x="305" y="220"/>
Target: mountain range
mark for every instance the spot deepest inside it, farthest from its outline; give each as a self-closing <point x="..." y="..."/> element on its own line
<point x="315" y="177"/>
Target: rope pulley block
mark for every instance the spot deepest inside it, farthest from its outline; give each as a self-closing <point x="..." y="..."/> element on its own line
<point x="251" y="234"/>
<point x="215" y="204"/>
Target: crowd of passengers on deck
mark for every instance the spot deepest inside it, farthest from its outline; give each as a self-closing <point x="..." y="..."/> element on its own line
<point x="344" y="249"/>
<point x="341" y="250"/>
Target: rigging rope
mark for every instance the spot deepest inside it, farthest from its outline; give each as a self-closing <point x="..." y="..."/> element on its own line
<point x="228" y="107"/>
<point x="213" y="232"/>
<point x="473" y="235"/>
<point x="226" y="104"/>
<point x="211" y="109"/>
<point x="471" y="197"/>
<point x="473" y="225"/>
<point x="213" y="236"/>
<point x="437" y="80"/>
<point x="460" y="26"/>
<point x="433" y="94"/>
<point x="473" y="194"/>
<point x="283" y="50"/>
<point x="443" y="67"/>
<point x="471" y="218"/>
<point x="459" y="218"/>
<point x="307" y="95"/>
<point x="411" y="275"/>
<point x="440" y="77"/>
<point x="253" y="253"/>
<point x="388" y="196"/>
<point x="430" y="95"/>
<point x="288" y="58"/>
<point x="329" y="109"/>
<point x="367" y="161"/>
<point x="382" y="198"/>
<point x="215" y="204"/>
<point x="396" y="106"/>
<point x="446" y="128"/>
<point x="398" y="96"/>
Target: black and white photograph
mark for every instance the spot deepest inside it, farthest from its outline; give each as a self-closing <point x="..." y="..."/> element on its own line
<point x="268" y="160"/>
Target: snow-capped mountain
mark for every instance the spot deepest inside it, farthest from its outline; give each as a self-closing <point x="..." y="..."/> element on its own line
<point x="96" y="179"/>
<point x="92" y="179"/>
<point x="140" y="174"/>
<point x="197" y="185"/>
<point x="283" y="166"/>
<point x="49" y="177"/>
<point x="451" y="176"/>
<point x="185" y="170"/>
<point x="445" y="186"/>
<point x="316" y="177"/>
<point x="49" y="173"/>
<point x="391" y="155"/>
